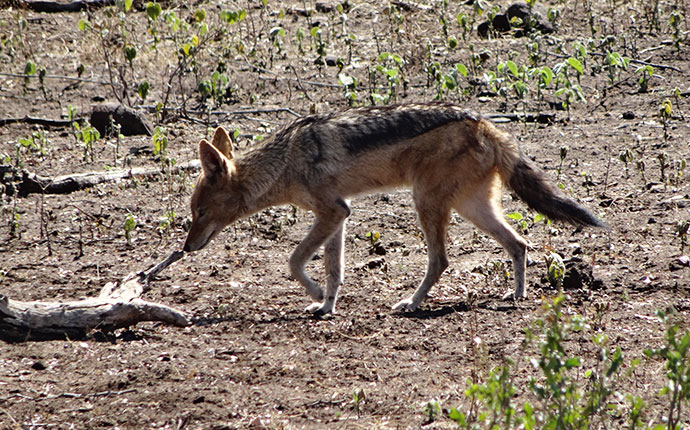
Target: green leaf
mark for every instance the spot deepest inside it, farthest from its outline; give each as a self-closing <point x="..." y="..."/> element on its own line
<point x="128" y="5"/>
<point x="130" y="223"/>
<point x="575" y="64"/>
<point x="153" y="10"/>
<point x="513" y="68"/>
<point x="143" y="89"/>
<point x="462" y="69"/>
<point x="84" y="25"/>
<point x="516" y="216"/>
<point x="457" y="416"/>
<point x="30" y="68"/>
<point x="546" y="75"/>
<point x="200" y="15"/>
<point x="130" y="52"/>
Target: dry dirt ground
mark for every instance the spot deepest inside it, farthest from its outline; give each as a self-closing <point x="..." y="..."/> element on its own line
<point x="253" y="358"/>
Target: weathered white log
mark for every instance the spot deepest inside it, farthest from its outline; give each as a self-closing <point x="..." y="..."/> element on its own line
<point x="117" y="306"/>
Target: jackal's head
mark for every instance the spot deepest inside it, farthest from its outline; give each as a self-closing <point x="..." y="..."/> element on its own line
<point x="216" y="200"/>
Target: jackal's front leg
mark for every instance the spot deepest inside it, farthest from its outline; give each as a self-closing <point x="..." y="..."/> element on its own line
<point x="328" y="225"/>
<point x="334" y="264"/>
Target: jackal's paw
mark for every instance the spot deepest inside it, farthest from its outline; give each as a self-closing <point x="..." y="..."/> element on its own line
<point x="514" y="295"/>
<point x="406" y="305"/>
<point x="319" y="309"/>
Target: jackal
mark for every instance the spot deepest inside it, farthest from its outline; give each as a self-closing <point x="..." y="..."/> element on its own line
<point x="452" y="159"/>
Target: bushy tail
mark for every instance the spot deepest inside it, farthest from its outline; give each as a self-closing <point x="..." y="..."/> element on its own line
<point x="530" y="184"/>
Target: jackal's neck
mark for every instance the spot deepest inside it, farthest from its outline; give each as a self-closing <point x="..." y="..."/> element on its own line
<point x="259" y="174"/>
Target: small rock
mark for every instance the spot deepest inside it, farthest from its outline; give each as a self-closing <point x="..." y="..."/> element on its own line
<point x="533" y="18"/>
<point x="628" y="115"/>
<point x="38" y="365"/>
<point x="375" y="263"/>
<point x="679" y="263"/>
<point x="324" y="7"/>
<point x="331" y="61"/>
<point x="131" y="122"/>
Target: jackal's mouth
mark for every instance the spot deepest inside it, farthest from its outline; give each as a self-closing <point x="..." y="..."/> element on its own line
<point x="203" y="243"/>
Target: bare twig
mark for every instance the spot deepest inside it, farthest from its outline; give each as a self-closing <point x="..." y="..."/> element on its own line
<point x="632" y="60"/>
<point x="56" y="7"/>
<point x="299" y="84"/>
<point x="38" y="121"/>
<point x="58" y="77"/>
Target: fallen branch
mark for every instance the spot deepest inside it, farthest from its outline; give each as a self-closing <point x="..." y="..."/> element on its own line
<point x="632" y="60"/>
<point x="38" y="121"/>
<point x="57" y="77"/>
<point x="26" y="183"/>
<point x="117" y="306"/>
<point x="55" y="7"/>
<point x="541" y="118"/>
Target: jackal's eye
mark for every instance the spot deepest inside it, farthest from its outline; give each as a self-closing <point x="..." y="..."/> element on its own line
<point x="201" y="212"/>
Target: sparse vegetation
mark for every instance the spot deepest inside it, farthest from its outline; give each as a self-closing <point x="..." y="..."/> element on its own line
<point x="601" y="105"/>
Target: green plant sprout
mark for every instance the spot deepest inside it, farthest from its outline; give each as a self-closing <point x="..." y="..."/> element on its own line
<point x="37" y="143"/>
<point x="555" y="270"/>
<point x="676" y="354"/>
<point x="519" y="220"/>
<point x="358" y="398"/>
<point x="390" y="67"/>
<point x="682" y="228"/>
<point x="432" y="410"/>
<point x="665" y="112"/>
<point x="646" y="72"/>
<point x="626" y="156"/>
<point x="83" y="133"/>
<point x="349" y="84"/>
<point x="563" y="152"/>
<point x="130" y="225"/>
<point x="675" y="19"/>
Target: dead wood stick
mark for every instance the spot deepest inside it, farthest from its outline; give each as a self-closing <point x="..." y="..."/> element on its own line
<point x="75" y="6"/>
<point x="28" y="183"/>
<point x="117" y="306"/>
<point x="38" y="121"/>
<point x="542" y="118"/>
<point x="632" y="60"/>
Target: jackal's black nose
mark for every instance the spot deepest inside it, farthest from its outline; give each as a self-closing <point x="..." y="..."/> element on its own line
<point x="186" y="247"/>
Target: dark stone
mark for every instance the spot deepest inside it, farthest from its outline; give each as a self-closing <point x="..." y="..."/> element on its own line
<point x="131" y="122"/>
<point x="534" y="19"/>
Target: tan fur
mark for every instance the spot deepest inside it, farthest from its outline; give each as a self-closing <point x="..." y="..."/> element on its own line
<point x="451" y="159"/>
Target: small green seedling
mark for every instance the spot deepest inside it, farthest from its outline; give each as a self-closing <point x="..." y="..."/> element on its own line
<point x="626" y="156"/>
<point x="130" y="225"/>
<point x="555" y="270"/>
<point x="682" y="228"/>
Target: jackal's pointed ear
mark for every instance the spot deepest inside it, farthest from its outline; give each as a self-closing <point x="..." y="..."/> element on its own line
<point x="214" y="164"/>
<point x="222" y="142"/>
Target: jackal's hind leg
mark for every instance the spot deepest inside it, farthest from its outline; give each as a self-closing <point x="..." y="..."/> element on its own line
<point x="433" y="218"/>
<point x="329" y="220"/>
<point x="485" y="213"/>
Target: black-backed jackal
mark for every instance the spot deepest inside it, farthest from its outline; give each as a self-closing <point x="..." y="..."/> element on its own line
<point x="450" y="158"/>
